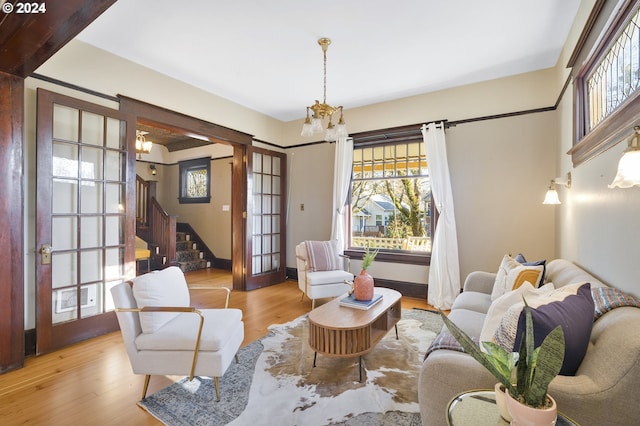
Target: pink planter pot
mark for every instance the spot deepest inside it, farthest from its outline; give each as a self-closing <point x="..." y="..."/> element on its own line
<point x="501" y="402"/>
<point x="363" y="286"/>
<point x="523" y="415"/>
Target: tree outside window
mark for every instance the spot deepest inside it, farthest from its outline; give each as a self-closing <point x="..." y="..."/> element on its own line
<point x="391" y="198"/>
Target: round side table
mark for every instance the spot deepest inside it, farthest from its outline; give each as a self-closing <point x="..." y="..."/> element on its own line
<point x="478" y="408"/>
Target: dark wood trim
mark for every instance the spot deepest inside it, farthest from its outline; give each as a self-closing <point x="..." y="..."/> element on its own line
<point x="225" y="264"/>
<point x="413" y="131"/>
<point x="589" y="143"/>
<point x="182" y="124"/>
<point x="54" y="336"/>
<point x="253" y="281"/>
<point x="586" y="31"/>
<point x="407" y="258"/>
<point x="28" y="40"/>
<point x="393" y="134"/>
<point x="11" y="212"/>
<point x="616" y="128"/>
<point x="239" y="216"/>
<point x="30" y="342"/>
<point x="417" y="291"/>
<point x="292" y="273"/>
<point x="74" y="87"/>
<point x="186" y="166"/>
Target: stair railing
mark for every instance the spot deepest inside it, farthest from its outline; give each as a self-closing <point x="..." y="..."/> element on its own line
<point x="145" y="190"/>
<point x="162" y="232"/>
<point x="159" y="226"/>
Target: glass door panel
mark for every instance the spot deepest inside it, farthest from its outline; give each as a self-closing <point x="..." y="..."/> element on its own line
<point x="265" y="221"/>
<point x="81" y="156"/>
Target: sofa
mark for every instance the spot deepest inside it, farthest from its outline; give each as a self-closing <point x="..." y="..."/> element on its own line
<point x="604" y="387"/>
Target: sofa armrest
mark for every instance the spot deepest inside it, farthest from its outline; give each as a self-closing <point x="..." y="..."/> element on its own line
<point x="444" y="375"/>
<point x="480" y="281"/>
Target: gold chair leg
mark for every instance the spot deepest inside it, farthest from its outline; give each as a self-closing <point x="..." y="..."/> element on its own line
<point x="146" y="385"/>
<point x="313" y="304"/>
<point x="302" y="298"/>
<point x="216" y="382"/>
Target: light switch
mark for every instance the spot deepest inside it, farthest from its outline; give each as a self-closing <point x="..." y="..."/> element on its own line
<point x="225" y="207"/>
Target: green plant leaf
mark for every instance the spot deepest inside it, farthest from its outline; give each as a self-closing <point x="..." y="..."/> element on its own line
<point x="547" y="366"/>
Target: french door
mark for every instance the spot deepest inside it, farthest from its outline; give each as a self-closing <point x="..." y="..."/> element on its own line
<point x="265" y="250"/>
<point x="81" y="218"/>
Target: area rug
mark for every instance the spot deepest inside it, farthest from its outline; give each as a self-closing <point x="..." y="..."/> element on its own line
<point x="275" y="382"/>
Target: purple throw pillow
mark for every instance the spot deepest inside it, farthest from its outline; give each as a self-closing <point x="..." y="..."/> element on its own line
<point x="575" y="315"/>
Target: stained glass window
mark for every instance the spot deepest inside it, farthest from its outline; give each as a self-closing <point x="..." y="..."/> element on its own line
<point x="195" y="181"/>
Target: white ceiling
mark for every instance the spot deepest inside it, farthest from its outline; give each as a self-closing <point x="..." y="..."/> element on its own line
<point x="264" y="54"/>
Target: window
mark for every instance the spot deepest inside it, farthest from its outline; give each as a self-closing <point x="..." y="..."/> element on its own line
<point x="606" y="87"/>
<point x="391" y="206"/>
<point x="195" y="181"/>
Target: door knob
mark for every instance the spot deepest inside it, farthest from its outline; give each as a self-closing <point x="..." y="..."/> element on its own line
<point x="45" y="254"/>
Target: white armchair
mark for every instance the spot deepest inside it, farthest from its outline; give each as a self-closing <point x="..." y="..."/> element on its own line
<point x="163" y="335"/>
<point x="321" y="272"/>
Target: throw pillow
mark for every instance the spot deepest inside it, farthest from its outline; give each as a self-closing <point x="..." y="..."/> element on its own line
<point x="570" y="306"/>
<point x="608" y="298"/>
<point x="160" y="288"/>
<point x="502" y="304"/>
<point x="512" y="274"/>
<point x="323" y="256"/>
<point x="520" y="259"/>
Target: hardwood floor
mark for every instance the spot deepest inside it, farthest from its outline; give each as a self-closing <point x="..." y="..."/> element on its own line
<point x="92" y="382"/>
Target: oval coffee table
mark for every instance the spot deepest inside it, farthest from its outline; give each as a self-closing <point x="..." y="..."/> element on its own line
<point x="341" y="331"/>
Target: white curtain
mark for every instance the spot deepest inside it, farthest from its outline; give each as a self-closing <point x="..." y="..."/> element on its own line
<point x="343" y="164"/>
<point x="444" y="272"/>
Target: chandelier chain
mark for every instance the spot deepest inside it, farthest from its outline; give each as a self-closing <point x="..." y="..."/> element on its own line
<point x="324" y="51"/>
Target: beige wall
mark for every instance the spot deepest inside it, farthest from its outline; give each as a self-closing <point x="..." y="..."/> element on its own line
<point x="597" y="227"/>
<point x="500" y="168"/>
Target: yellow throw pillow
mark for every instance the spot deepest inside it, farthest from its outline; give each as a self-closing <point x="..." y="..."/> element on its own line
<point x="512" y="274"/>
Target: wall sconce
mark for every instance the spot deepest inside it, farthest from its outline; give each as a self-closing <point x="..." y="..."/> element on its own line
<point x="552" y="195"/>
<point x="629" y="165"/>
<point x="152" y="168"/>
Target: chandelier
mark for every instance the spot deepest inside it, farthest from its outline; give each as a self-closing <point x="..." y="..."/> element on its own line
<point x="318" y="111"/>
<point x="143" y="146"/>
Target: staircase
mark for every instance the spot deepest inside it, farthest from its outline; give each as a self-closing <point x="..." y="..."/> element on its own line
<point x="188" y="256"/>
<point x="170" y="243"/>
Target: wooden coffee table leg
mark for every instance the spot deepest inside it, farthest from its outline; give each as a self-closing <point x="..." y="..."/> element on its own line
<point x="396" y="331"/>
<point x="315" y="355"/>
<point x="360" y="367"/>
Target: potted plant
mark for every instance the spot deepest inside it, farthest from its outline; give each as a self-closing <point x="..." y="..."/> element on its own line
<point x="527" y="385"/>
<point x="363" y="283"/>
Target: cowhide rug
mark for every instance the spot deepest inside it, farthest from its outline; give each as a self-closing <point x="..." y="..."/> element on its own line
<point x="276" y="383"/>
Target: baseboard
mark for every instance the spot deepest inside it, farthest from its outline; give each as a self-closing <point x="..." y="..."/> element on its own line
<point x="221" y="264"/>
<point x="30" y="342"/>
<point x="415" y="290"/>
<point x="292" y="273"/>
